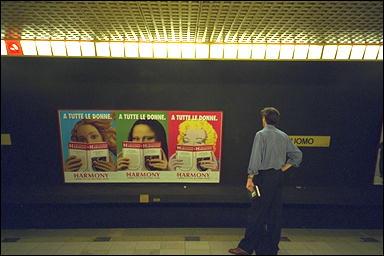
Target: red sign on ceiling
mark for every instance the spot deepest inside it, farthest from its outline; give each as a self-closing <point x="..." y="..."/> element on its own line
<point x="13" y="47"/>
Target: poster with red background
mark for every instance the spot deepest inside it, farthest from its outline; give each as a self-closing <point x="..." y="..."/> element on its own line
<point x="175" y="118"/>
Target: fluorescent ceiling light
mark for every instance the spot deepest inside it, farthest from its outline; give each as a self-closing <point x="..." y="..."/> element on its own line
<point x="102" y="49"/>
<point x="73" y="48"/>
<point x="315" y="52"/>
<point x="380" y="56"/>
<point x="272" y="51"/>
<point x="131" y="50"/>
<point x="88" y="48"/>
<point x="202" y="51"/>
<point x="58" y="48"/>
<point x="286" y="51"/>
<point x="301" y="52"/>
<point x="230" y="51"/>
<point x="174" y="50"/>
<point x="371" y="52"/>
<point x="244" y="51"/>
<point x="258" y="51"/>
<point x="343" y="52"/>
<point x="29" y="47"/>
<point x="329" y="52"/>
<point x="216" y="51"/>
<point x="199" y="50"/>
<point x="117" y="49"/>
<point x="4" y="48"/>
<point x="357" y="52"/>
<point x="145" y="50"/>
<point x="160" y="50"/>
<point x="44" y="48"/>
<point x="188" y="50"/>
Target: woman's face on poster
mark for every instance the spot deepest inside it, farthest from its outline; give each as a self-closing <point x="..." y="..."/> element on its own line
<point x="194" y="137"/>
<point x="88" y="133"/>
<point x="143" y="133"/>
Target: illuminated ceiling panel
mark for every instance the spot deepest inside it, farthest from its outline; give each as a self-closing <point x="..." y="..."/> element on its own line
<point x="305" y="22"/>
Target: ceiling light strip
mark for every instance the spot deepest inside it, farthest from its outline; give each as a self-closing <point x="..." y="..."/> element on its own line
<point x="87" y="49"/>
<point x="29" y="47"/>
<point x="44" y="48"/>
<point x="3" y="48"/>
<point x="73" y="48"/>
<point x="357" y="52"/>
<point x="371" y="52"/>
<point x="58" y="48"/>
<point x="216" y="51"/>
<point x="380" y="55"/>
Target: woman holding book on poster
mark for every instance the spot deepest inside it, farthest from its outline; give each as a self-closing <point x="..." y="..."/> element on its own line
<point x="202" y="137"/>
<point x="147" y="134"/>
<point x="92" y="134"/>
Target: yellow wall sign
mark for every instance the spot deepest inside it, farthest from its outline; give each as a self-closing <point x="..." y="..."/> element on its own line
<point x="311" y="141"/>
<point x="6" y="139"/>
<point x="144" y="198"/>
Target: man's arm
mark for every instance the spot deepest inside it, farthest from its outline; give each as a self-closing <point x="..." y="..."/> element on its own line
<point x="255" y="159"/>
<point x="294" y="154"/>
<point x="254" y="162"/>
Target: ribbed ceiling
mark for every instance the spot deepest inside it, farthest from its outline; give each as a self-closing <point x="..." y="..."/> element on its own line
<point x="322" y="22"/>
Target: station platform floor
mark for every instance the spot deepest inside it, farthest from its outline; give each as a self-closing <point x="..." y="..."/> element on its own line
<point x="183" y="241"/>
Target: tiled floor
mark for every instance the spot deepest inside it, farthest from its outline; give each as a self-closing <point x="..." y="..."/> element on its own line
<point x="183" y="241"/>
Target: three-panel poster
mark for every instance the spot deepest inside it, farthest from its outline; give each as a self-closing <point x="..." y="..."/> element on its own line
<point x="123" y="146"/>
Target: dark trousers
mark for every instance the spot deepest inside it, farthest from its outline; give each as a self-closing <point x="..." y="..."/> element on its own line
<point x="263" y="231"/>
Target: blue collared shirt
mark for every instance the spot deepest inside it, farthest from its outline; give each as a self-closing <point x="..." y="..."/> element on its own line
<point x="272" y="148"/>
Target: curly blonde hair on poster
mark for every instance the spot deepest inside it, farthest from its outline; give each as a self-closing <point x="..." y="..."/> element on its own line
<point x="198" y="124"/>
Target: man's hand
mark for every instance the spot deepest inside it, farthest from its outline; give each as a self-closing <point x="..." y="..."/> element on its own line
<point x="250" y="186"/>
<point x="285" y="167"/>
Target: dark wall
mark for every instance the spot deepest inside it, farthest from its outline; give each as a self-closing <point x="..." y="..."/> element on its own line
<point x="339" y="99"/>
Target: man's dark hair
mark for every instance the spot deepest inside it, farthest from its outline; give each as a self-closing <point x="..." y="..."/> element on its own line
<point x="271" y="114"/>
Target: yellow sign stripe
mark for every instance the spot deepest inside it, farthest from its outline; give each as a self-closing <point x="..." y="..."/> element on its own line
<point x="311" y="141"/>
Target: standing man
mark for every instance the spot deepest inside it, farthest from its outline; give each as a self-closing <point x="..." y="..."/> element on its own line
<point x="272" y="154"/>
